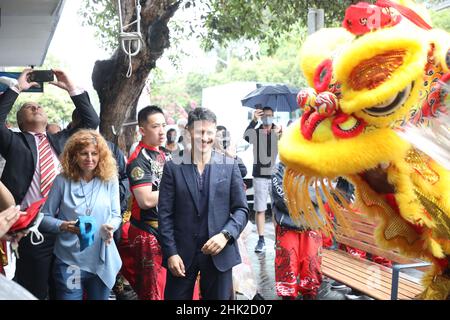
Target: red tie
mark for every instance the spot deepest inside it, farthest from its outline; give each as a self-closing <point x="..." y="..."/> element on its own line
<point x="46" y="165"/>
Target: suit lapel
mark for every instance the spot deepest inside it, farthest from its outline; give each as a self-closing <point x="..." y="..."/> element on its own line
<point x="191" y="183"/>
<point x="53" y="142"/>
<point x="29" y="138"/>
<point x="216" y="173"/>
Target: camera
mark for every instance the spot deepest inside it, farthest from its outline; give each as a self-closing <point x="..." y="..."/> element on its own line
<point x="41" y="76"/>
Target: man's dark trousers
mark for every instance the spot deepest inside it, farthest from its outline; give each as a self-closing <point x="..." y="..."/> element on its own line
<point x="33" y="271"/>
<point x="214" y="285"/>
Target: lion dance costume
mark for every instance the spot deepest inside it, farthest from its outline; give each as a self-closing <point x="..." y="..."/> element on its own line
<point x="386" y="67"/>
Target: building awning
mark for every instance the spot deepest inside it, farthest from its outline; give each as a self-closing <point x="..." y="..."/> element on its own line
<point x="26" y="30"/>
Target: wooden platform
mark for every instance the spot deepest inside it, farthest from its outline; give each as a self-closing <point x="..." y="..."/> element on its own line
<point x="370" y="278"/>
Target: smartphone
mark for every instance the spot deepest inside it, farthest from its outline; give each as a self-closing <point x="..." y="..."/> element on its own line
<point x="41" y="76"/>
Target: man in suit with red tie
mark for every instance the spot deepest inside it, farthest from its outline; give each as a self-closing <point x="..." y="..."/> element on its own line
<point x="31" y="166"/>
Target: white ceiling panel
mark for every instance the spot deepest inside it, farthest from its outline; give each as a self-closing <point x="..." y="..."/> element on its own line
<point x="26" y="30"/>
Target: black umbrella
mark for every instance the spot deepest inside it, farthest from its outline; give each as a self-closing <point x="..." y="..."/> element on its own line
<point x="279" y="97"/>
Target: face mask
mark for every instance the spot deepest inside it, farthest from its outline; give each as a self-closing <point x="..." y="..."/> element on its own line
<point x="35" y="234"/>
<point x="267" y="121"/>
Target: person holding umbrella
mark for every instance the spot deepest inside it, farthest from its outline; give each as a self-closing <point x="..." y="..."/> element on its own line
<point x="264" y="139"/>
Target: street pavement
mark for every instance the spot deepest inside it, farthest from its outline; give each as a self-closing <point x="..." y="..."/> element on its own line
<point x="263" y="264"/>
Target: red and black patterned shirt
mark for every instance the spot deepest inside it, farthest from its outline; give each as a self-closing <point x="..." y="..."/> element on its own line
<point x="145" y="168"/>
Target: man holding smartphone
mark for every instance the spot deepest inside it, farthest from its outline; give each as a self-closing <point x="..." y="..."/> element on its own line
<point x="264" y="138"/>
<point x="32" y="164"/>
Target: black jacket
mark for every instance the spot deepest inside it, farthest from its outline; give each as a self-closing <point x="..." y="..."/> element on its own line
<point x="124" y="186"/>
<point x="280" y="210"/>
<point x="19" y="148"/>
<point x="279" y="207"/>
<point x="265" y="149"/>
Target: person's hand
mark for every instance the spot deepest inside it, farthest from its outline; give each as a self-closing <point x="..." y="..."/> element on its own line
<point x="278" y="130"/>
<point x="106" y="231"/>
<point x="257" y="114"/>
<point x="19" y="235"/>
<point x="16" y="237"/>
<point x="22" y="81"/>
<point x="176" y="266"/>
<point x="63" y="81"/>
<point x="215" y="244"/>
<point x="7" y="219"/>
<point x="69" y="226"/>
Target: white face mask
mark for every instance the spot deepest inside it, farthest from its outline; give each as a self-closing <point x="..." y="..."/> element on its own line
<point x="35" y="232"/>
<point x="267" y="121"/>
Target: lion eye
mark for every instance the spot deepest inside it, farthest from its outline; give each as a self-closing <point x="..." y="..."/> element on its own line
<point x="391" y="105"/>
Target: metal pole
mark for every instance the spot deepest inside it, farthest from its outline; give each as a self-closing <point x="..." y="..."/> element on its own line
<point x="316" y="20"/>
<point x="311" y="21"/>
<point x="320" y="19"/>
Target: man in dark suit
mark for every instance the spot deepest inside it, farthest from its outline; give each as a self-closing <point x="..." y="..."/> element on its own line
<point x="202" y="210"/>
<point x="32" y="164"/>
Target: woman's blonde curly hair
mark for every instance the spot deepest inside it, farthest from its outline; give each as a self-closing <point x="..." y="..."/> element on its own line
<point x="106" y="169"/>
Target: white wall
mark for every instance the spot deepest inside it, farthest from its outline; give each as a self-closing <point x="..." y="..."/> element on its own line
<point x="225" y="102"/>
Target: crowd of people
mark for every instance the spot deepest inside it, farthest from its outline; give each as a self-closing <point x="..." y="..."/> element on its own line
<point x="164" y="222"/>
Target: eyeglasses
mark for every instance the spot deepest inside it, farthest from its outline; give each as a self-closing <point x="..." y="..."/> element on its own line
<point x="29" y="106"/>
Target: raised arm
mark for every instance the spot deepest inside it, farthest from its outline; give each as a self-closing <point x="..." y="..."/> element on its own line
<point x="250" y="132"/>
<point x="88" y="117"/>
<point x="7" y="100"/>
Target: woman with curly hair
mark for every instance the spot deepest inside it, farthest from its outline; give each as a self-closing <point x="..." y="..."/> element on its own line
<point x="83" y="208"/>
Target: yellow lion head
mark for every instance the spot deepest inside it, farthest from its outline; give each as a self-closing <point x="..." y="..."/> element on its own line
<point x="384" y="68"/>
<point x="364" y="82"/>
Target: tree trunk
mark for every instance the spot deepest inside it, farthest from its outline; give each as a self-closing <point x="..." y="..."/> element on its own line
<point x="118" y="94"/>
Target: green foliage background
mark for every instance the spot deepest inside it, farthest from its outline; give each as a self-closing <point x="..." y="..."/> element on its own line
<point x="278" y="26"/>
